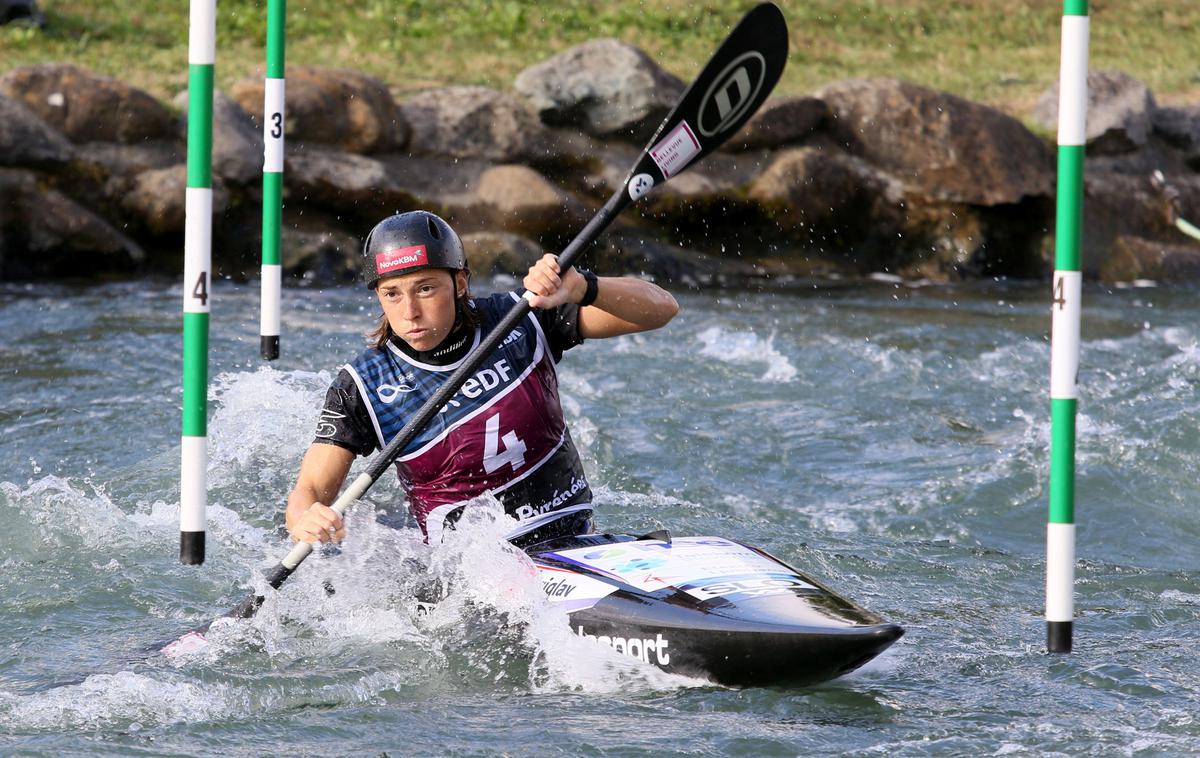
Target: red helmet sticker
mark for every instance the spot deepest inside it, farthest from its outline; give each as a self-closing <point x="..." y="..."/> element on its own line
<point x="400" y="258"/>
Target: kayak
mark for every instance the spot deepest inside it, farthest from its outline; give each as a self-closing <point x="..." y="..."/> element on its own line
<point x="705" y="607"/>
<point x="708" y="607"/>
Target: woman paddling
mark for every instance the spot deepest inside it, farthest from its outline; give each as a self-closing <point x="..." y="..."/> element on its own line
<point x="503" y="432"/>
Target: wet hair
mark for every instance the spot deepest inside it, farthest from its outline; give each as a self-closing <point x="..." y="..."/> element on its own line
<point x="464" y="316"/>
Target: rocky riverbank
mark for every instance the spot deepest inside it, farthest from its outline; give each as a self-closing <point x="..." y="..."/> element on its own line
<point x="863" y="176"/>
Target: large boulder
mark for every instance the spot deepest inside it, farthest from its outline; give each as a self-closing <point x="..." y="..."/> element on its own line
<point x="316" y="249"/>
<point x="623" y="252"/>
<point x="1119" y="206"/>
<point x="339" y="107"/>
<point x="344" y="182"/>
<point x="1132" y="258"/>
<point x="237" y="144"/>
<point x="58" y="238"/>
<point x="948" y="148"/>
<point x="473" y="122"/>
<point x="779" y="122"/>
<point x="519" y="200"/>
<point x="829" y="198"/>
<point x="87" y="107"/>
<point x="26" y="140"/>
<point x="1179" y="127"/>
<point x="500" y="253"/>
<point x="605" y="86"/>
<point x="1119" y="111"/>
<point x="437" y="183"/>
<point x="118" y="160"/>
<point x="157" y="199"/>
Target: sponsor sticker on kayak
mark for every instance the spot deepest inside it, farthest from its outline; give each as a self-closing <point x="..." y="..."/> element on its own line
<point x="571" y="591"/>
<point x="693" y="562"/>
<point x="400" y="258"/>
<point x="675" y="151"/>
<point x="748" y="586"/>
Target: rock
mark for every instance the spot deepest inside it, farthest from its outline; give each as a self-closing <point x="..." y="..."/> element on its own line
<point x="1139" y="258"/>
<point x="605" y="86"/>
<point x="625" y="252"/>
<point x="493" y="253"/>
<point x="127" y="161"/>
<point x="1117" y="205"/>
<point x="157" y="199"/>
<point x="473" y="122"/>
<point x="338" y="107"/>
<point x="435" y="182"/>
<point x="518" y="199"/>
<point x="237" y="145"/>
<point x="1119" y="112"/>
<point x="26" y="140"/>
<point x="779" y="122"/>
<point x="344" y="182"/>
<point x="86" y="107"/>
<point x="317" y="250"/>
<point x="1180" y="128"/>
<point x="57" y="237"/>
<point x="824" y="195"/>
<point x="949" y="148"/>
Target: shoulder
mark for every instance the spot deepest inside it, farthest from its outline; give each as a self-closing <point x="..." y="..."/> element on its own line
<point x="496" y="303"/>
<point x="372" y="356"/>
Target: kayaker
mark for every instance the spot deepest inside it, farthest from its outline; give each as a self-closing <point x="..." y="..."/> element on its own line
<point x="503" y="432"/>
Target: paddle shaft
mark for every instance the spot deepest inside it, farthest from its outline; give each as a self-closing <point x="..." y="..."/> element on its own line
<point x="726" y="93"/>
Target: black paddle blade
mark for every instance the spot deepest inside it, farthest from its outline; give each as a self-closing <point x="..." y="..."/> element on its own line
<point x="730" y="89"/>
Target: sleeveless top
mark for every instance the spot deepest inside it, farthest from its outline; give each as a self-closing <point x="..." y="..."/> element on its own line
<point x="502" y="433"/>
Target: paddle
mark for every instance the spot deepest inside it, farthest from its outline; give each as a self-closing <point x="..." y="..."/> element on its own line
<point x="733" y="84"/>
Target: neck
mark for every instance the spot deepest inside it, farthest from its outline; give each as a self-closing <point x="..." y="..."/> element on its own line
<point x="450" y="350"/>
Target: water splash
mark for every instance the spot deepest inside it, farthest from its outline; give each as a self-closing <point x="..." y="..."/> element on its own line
<point x="745" y="347"/>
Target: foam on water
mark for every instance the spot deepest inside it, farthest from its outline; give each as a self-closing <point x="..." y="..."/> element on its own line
<point x="745" y="347"/>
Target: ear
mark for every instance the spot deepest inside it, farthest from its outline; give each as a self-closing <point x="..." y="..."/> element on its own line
<point x="462" y="279"/>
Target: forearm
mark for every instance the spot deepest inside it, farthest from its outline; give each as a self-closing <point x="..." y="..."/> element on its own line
<point x="642" y="304"/>
<point x="298" y="503"/>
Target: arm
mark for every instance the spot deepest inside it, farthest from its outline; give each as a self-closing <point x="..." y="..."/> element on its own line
<point x="321" y="476"/>
<point x="623" y="305"/>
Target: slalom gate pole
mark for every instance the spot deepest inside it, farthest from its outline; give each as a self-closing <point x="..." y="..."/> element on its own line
<point x="1064" y="338"/>
<point x="197" y="265"/>
<point x="272" y="196"/>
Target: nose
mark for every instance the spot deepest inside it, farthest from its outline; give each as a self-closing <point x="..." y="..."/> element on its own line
<point x="410" y="310"/>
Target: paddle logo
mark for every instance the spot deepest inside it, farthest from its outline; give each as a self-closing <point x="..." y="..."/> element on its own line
<point x="640" y="185"/>
<point x="733" y="92"/>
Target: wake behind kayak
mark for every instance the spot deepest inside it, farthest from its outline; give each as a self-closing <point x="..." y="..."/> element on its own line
<point x="708" y="607"/>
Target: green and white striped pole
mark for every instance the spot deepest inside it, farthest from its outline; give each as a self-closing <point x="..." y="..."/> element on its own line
<point x="197" y="264"/>
<point x="273" y="115"/>
<point x="1064" y="337"/>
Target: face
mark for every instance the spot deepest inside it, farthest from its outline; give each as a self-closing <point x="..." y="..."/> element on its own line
<point x="420" y="305"/>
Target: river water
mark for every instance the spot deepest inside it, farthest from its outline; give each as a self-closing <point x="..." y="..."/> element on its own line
<point x="891" y="441"/>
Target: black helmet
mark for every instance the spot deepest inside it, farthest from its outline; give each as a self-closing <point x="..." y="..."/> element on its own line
<point x="410" y="242"/>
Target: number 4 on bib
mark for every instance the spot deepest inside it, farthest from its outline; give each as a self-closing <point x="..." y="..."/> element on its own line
<point x="493" y="457"/>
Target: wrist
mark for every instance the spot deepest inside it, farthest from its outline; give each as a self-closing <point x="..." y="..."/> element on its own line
<point x="591" y="288"/>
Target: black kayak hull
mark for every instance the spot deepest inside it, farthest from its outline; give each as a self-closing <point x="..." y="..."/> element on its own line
<point x="709" y="607"/>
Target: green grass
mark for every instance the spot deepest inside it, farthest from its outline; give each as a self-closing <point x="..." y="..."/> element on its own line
<point x="1002" y="52"/>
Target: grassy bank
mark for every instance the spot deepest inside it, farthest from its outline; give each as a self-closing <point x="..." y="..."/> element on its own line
<point x="1003" y="53"/>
